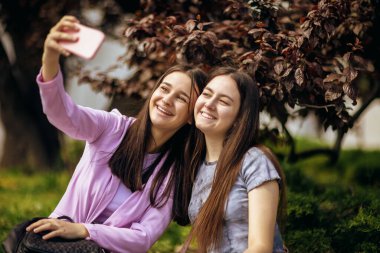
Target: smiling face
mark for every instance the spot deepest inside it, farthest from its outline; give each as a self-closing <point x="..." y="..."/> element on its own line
<point x="171" y="103"/>
<point x="217" y="107"/>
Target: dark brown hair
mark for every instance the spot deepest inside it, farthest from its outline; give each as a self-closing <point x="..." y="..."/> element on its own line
<point x="243" y="135"/>
<point x="128" y="159"/>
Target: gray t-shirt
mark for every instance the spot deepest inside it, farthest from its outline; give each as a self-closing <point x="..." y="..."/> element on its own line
<point x="256" y="170"/>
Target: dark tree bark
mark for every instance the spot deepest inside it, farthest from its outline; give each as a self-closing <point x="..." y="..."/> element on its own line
<point x="30" y="140"/>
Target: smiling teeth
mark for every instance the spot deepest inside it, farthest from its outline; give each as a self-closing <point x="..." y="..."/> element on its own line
<point x="206" y="115"/>
<point x="163" y="110"/>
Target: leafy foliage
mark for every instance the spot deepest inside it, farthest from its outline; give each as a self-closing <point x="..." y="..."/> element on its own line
<point x="307" y="56"/>
<point x="303" y="54"/>
<point x="331" y="211"/>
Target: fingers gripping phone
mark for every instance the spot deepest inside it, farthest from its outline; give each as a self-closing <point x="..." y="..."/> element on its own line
<point x="88" y="43"/>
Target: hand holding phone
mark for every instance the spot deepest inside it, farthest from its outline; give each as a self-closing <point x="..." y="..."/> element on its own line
<point x="87" y="44"/>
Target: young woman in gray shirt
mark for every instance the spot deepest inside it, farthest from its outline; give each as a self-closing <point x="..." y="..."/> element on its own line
<point x="238" y="184"/>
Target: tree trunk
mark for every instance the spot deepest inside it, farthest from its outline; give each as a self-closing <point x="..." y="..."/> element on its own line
<point x="30" y="141"/>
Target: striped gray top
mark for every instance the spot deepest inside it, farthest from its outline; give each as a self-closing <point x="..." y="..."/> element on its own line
<point x="256" y="170"/>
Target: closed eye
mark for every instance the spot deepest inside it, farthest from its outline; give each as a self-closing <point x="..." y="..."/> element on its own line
<point x="223" y="102"/>
<point x="206" y="94"/>
<point x="164" y="88"/>
<point x="183" y="99"/>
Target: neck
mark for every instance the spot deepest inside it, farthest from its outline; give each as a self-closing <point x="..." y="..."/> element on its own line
<point x="214" y="146"/>
<point x="158" y="139"/>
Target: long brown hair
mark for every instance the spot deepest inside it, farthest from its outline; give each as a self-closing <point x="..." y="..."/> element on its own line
<point x="128" y="159"/>
<point x="243" y="135"/>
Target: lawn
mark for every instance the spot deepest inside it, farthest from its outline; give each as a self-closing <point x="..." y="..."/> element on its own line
<point x="331" y="208"/>
<point x="25" y="195"/>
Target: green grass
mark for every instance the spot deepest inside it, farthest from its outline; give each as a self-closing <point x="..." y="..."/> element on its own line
<point x="327" y="204"/>
<point x="23" y="196"/>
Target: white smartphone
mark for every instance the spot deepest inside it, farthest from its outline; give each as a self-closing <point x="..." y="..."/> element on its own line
<point x="88" y="43"/>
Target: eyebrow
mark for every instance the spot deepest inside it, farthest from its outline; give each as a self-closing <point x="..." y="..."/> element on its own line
<point x="222" y="95"/>
<point x="181" y="92"/>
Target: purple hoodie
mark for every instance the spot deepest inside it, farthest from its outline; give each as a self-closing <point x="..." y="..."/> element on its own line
<point x="135" y="225"/>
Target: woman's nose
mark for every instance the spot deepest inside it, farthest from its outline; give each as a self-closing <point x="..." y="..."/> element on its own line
<point x="210" y="104"/>
<point x="168" y="99"/>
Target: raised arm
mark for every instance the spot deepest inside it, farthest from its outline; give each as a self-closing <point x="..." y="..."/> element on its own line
<point x="52" y="50"/>
<point x="76" y="121"/>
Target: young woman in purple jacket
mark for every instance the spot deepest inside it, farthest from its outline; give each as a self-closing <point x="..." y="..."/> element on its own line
<point x="130" y="182"/>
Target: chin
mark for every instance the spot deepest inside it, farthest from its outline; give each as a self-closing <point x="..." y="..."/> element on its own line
<point x="203" y="128"/>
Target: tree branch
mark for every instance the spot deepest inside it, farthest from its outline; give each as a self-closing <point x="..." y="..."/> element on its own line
<point x="332" y="153"/>
<point x="317" y="106"/>
<point x="374" y="94"/>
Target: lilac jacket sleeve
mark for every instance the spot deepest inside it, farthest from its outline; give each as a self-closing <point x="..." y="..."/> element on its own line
<point x="139" y="237"/>
<point x="76" y="121"/>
